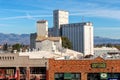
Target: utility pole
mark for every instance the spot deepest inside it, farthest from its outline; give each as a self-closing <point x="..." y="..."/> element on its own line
<point x="82" y="18"/>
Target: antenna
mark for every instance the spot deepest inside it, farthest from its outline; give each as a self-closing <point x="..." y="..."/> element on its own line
<point x="82" y="18"/>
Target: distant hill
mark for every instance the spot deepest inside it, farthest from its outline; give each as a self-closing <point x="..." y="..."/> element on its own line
<point x="25" y="39"/>
<point x="14" y="38"/>
<point x="101" y="40"/>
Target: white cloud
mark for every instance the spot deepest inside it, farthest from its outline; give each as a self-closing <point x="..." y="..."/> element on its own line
<point x="25" y="17"/>
<point x="108" y="1"/>
<point x="90" y="8"/>
<point x="24" y="11"/>
<point x="107" y="29"/>
<point x="106" y="13"/>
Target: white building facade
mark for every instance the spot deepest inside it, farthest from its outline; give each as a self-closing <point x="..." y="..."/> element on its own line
<point x="41" y="41"/>
<point x="103" y="51"/>
<point x="81" y="36"/>
<point x="59" y="17"/>
<point x="42" y="28"/>
<point x="48" y="44"/>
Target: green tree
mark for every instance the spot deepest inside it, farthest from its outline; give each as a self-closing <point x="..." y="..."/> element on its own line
<point x="5" y="47"/>
<point x="109" y="45"/>
<point x="16" y="47"/>
<point x="117" y="46"/>
<point x="66" y="43"/>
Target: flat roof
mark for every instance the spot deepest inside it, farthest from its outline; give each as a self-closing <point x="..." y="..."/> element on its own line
<point x="41" y="21"/>
<point x="61" y="10"/>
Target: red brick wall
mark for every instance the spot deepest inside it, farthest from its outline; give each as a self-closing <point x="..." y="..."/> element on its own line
<point x="81" y="66"/>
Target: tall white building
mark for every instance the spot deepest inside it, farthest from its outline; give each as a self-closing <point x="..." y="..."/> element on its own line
<point x="42" y="31"/>
<point x="41" y="41"/>
<point x="59" y="17"/>
<point x="42" y="28"/>
<point x="81" y="36"/>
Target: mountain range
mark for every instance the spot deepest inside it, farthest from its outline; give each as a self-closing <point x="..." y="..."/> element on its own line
<point x="14" y="38"/>
<point x="103" y="40"/>
<point x="25" y="39"/>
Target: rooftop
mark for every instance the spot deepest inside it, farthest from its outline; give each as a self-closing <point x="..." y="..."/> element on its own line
<point x="80" y="23"/>
<point x="64" y="53"/>
<point x="106" y="48"/>
<point x="60" y="10"/>
<point x="41" y="21"/>
<point x="42" y="38"/>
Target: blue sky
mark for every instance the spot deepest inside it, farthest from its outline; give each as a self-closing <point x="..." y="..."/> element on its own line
<point x="20" y="16"/>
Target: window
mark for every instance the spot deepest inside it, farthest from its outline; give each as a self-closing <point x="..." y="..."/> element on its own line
<point x="3" y="57"/>
<point x="10" y="71"/>
<point x="37" y="70"/>
<point x="22" y="70"/>
<point x="13" y="58"/>
<point x="67" y="76"/>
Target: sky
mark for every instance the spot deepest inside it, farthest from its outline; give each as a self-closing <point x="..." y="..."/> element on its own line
<point x="20" y="16"/>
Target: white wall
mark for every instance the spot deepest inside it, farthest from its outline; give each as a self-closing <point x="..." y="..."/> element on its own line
<point x="59" y="17"/>
<point x="42" y="29"/>
<point x="48" y="45"/>
<point x="45" y="45"/>
<point x="88" y="39"/>
<point x="81" y="36"/>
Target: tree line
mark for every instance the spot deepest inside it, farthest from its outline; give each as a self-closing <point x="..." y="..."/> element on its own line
<point x="108" y="45"/>
<point x="17" y="46"/>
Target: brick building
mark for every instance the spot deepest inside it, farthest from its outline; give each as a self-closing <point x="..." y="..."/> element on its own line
<point x="32" y="66"/>
<point x="86" y="69"/>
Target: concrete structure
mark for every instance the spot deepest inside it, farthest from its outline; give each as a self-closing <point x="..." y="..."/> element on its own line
<point x="58" y="55"/>
<point x="15" y="67"/>
<point x="41" y="41"/>
<point x="103" y="51"/>
<point x="33" y="37"/>
<point x="48" y="43"/>
<point x="59" y="17"/>
<point x="80" y="35"/>
<point x="45" y="65"/>
<point x="51" y="32"/>
<point x="42" y="28"/>
<point x="31" y="65"/>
